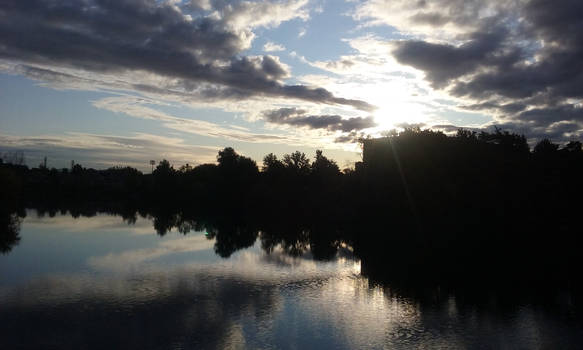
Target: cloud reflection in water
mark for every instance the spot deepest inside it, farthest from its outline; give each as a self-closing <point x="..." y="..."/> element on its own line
<point x="173" y="291"/>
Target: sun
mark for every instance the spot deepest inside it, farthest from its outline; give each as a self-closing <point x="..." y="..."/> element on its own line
<point x="396" y="103"/>
<point x="394" y="114"/>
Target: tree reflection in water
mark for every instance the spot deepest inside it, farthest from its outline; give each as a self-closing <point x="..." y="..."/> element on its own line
<point x="9" y="230"/>
<point x="277" y="297"/>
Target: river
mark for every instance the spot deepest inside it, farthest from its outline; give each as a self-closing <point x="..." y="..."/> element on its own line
<point x="102" y="282"/>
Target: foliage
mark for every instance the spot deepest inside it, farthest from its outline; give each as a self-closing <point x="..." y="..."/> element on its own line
<point x="545" y="147"/>
<point x="297" y="162"/>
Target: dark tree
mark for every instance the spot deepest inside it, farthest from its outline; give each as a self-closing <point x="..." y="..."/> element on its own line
<point x="272" y="164"/>
<point x="297" y="162"/>
<point x="227" y="158"/>
<point x="573" y="147"/>
<point x="164" y="169"/>
<point x="324" y="167"/>
<point x="545" y="147"/>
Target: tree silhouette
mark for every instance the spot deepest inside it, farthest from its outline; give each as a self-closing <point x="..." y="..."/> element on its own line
<point x="573" y="147"/>
<point x="227" y="158"/>
<point x="545" y="147"/>
<point x="9" y="231"/>
<point x="297" y="162"/>
<point x="272" y="164"/>
<point x="324" y="167"/>
<point x="185" y="168"/>
<point x="164" y="168"/>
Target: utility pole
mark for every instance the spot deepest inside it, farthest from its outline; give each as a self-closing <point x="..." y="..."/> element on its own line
<point x="152" y="162"/>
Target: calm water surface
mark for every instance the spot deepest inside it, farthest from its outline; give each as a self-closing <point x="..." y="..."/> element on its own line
<point x="101" y="283"/>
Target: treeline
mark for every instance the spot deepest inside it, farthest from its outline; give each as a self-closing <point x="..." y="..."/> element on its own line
<point x="235" y="182"/>
<point x="421" y="204"/>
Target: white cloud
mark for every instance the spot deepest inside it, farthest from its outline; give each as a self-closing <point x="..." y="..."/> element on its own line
<point x="302" y="32"/>
<point x="432" y="20"/>
<point x="82" y="224"/>
<point x="272" y="47"/>
<point x="137" y="107"/>
<point x="299" y="57"/>
<point x="132" y="259"/>
<point x="248" y="14"/>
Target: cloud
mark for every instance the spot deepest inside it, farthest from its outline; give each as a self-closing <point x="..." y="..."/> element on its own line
<point x="100" y="151"/>
<point x="517" y="60"/>
<point x="561" y="131"/>
<point x="198" y="5"/>
<point x="129" y="260"/>
<point x="350" y="138"/>
<point x="342" y="64"/>
<point x="102" y="223"/>
<point x="146" y="109"/>
<point x="138" y="108"/>
<point x="435" y="19"/>
<point x="191" y="44"/>
<point x="245" y="14"/>
<point x="302" y="32"/>
<point x="371" y="73"/>
<point x="444" y="62"/>
<point x="550" y="115"/>
<point x="272" y="47"/>
<point x="298" y="117"/>
<point x="302" y="59"/>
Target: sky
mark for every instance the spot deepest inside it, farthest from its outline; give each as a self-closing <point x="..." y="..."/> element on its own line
<point x="122" y="82"/>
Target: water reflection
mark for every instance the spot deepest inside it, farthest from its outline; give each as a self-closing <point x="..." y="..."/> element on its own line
<point x="100" y="283"/>
<point x="9" y="231"/>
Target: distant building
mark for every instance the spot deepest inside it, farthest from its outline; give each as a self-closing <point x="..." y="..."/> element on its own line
<point x="374" y="151"/>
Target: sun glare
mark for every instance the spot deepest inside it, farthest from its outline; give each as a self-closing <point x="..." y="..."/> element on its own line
<point x="392" y="114"/>
<point x="397" y="101"/>
<point x="396" y="104"/>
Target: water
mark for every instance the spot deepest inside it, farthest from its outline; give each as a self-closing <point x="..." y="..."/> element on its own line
<point x="99" y="282"/>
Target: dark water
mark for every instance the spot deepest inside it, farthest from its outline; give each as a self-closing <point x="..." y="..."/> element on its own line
<point x="101" y="283"/>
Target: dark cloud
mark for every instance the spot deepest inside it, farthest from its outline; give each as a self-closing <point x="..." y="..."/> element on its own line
<point x="434" y="19"/>
<point x="298" y="117"/>
<point x="351" y="137"/>
<point x="522" y="62"/>
<point x="462" y="13"/>
<point x="409" y="125"/>
<point x="340" y="65"/>
<point x="198" y="5"/>
<point x="283" y="113"/>
<point x="150" y="36"/>
<point x="550" y="115"/>
<point x="443" y="62"/>
<point x="560" y="129"/>
<point x="508" y="108"/>
<point x="321" y="95"/>
<point x="345" y="139"/>
<point x="561" y="132"/>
